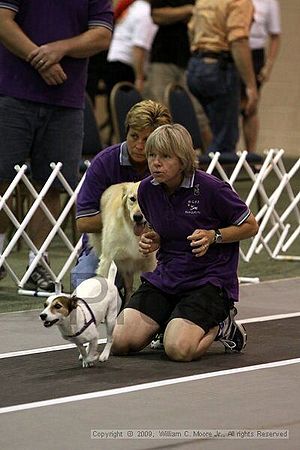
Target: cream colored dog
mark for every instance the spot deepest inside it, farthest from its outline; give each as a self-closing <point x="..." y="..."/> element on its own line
<point x="123" y="223"/>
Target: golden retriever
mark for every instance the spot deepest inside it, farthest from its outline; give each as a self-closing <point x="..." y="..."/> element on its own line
<point x="123" y="223"/>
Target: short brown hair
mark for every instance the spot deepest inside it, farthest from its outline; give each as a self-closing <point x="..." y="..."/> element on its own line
<point x="147" y="114"/>
<point x="173" y="140"/>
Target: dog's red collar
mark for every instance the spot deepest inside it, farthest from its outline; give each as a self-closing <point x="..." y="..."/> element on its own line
<point x="86" y="323"/>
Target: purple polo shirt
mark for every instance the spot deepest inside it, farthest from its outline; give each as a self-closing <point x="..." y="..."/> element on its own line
<point x="45" y="21"/>
<point x="202" y="201"/>
<point x="110" y="166"/>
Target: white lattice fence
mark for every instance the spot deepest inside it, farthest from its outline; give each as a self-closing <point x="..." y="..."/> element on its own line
<point x="276" y="235"/>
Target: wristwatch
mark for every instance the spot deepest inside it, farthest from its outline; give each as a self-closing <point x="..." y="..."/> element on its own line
<point x="218" y="237"/>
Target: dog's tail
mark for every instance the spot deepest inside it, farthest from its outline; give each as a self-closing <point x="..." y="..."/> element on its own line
<point x="112" y="273"/>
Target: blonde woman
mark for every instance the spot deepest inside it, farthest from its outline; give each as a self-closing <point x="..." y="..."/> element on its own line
<point x="196" y="222"/>
<point x="118" y="163"/>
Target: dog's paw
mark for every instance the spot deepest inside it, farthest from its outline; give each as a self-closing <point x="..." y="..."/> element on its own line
<point x="86" y="364"/>
<point x="91" y="360"/>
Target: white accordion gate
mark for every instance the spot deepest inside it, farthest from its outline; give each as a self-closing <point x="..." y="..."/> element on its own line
<point x="276" y="234"/>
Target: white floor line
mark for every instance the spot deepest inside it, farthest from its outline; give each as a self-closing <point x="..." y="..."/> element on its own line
<point x="267" y="318"/>
<point x="103" y="341"/>
<point x="35" y="351"/>
<point x="145" y="386"/>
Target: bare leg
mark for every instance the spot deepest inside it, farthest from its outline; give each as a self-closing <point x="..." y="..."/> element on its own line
<point x="250" y="130"/>
<point x="133" y="332"/>
<point x="185" y="341"/>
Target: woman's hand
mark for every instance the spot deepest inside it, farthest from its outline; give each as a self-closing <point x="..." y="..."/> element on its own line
<point x="149" y="242"/>
<point x="200" y="241"/>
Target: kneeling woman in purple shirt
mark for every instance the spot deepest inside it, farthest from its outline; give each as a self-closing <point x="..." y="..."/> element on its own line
<point x="196" y="222"/>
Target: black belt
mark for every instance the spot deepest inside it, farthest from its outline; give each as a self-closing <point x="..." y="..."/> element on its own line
<point x="223" y="56"/>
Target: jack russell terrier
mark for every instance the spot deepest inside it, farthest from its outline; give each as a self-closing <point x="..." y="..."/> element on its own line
<point x="78" y="316"/>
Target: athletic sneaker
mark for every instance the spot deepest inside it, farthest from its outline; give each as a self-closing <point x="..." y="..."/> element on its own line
<point x="158" y="342"/>
<point x="40" y="280"/>
<point x="3" y="272"/>
<point x="232" y="335"/>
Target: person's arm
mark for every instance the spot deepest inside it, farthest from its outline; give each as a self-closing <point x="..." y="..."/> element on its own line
<point x="273" y="48"/>
<point x="13" y="37"/>
<point x="84" y="45"/>
<point x="139" y="57"/>
<point x="18" y="43"/>
<point x="91" y="224"/>
<point x="241" y="54"/>
<point x="202" y="239"/>
<point x="169" y="15"/>
<point x="98" y="177"/>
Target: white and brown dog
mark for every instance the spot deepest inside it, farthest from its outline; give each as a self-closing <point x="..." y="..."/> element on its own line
<point x="123" y="223"/>
<point x="78" y="316"/>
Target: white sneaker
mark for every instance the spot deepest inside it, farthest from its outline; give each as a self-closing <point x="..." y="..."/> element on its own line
<point x="158" y="342"/>
<point x="232" y="335"/>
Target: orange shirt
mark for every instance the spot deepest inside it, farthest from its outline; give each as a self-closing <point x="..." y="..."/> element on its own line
<point x="217" y="23"/>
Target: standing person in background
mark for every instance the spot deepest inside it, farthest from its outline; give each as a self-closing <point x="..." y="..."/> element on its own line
<point x="44" y="50"/>
<point x="168" y="61"/>
<point x="131" y="42"/>
<point x="264" y="43"/>
<point x="219" y="31"/>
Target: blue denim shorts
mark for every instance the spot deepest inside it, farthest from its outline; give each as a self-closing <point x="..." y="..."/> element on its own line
<point x="39" y="133"/>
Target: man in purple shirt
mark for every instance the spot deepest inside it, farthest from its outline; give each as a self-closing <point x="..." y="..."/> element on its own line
<point x="116" y="164"/>
<point x="44" y="50"/>
<point x="196" y="222"/>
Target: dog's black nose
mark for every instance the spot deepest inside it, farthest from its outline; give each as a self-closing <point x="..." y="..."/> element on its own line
<point x="138" y="218"/>
<point x="43" y="316"/>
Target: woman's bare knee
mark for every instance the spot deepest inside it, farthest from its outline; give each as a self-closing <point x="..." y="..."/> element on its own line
<point x="133" y="332"/>
<point x="179" y="351"/>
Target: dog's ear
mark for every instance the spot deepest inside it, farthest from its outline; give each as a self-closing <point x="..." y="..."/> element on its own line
<point x="124" y="195"/>
<point x="73" y="303"/>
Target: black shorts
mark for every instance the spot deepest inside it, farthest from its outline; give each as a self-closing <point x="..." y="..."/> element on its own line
<point x="206" y="306"/>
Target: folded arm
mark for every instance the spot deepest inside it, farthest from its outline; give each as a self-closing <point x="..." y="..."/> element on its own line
<point x="18" y="43"/>
<point x="82" y="46"/>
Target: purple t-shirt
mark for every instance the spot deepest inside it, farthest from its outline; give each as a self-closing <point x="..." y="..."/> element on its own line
<point x="45" y="21"/>
<point x="110" y="166"/>
<point x="202" y="201"/>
